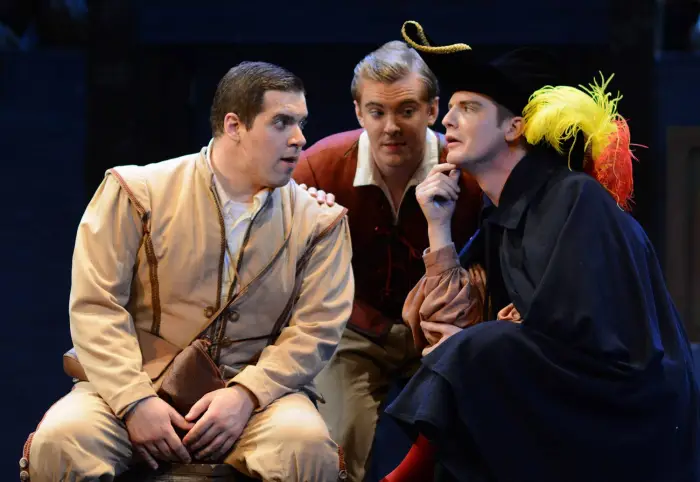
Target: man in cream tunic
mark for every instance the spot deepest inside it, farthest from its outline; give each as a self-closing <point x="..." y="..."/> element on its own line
<point x="160" y="250"/>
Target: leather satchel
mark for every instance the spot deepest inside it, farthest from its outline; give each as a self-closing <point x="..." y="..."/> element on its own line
<point x="180" y="377"/>
<point x="191" y="375"/>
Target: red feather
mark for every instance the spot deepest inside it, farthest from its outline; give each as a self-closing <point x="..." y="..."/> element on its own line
<point x="613" y="168"/>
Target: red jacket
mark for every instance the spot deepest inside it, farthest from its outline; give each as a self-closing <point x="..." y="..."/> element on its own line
<point x="387" y="258"/>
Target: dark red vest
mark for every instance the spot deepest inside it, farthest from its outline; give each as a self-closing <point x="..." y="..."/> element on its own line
<point x="387" y="258"/>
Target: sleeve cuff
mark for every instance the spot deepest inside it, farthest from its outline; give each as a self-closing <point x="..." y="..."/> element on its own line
<point x="444" y="259"/>
<point x="123" y="401"/>
<point x="262" y="386"/>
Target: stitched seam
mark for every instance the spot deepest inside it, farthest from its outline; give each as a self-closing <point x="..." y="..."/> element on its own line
<point x="303" y="262"/>
<point x="330" y="226"/>
<point x="222" y="253"/>
<point x="244" y="289"/>
<point x="150" y="252"/>
<point x="28" y="444"/>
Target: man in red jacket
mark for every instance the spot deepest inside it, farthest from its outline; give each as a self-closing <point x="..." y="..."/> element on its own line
<point x="373" y="172"/>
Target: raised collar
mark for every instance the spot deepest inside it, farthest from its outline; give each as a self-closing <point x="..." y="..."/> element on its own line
<point x="521" y="187"/>
<point x="258" y="199"/>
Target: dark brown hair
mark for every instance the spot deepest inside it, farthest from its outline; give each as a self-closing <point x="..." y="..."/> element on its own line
<point x="242" y="91"/>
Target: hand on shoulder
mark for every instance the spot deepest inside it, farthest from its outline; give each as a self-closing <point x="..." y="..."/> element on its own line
<point x="321" y="196"/>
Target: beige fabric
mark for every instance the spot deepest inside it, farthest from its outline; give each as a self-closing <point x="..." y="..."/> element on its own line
<point x="114" y="291"/>
<point x="355" y="383"/>
<point x="112" y="286"/>
<point x="237" y="217"/>
<point x="80" y="439"/>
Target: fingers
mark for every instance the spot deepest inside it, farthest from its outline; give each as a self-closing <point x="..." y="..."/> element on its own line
<point x="147" y="457"/>
<point x="438" y="186"/>
<point x="211" y="449"/>
<point x="225" y="449"/>
<point x="428" y="349"/>
<point x="431" y="337"/>
<point x="152" y="448"/>
<point x="435" y="193"/>
<point x="176" y="447"/>
<point x="322" y="197"/>
<point x="164" y="450"/>
<point x="503" y="313"/>
<point x="195" y="412"/>
<point x="443" y="168"/>
<point x="204" y="440"/>
<point x="179" y="421"/>
<point x="199" y="435"/>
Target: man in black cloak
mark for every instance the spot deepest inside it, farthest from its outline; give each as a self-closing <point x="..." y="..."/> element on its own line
<point x="584" y="373"/>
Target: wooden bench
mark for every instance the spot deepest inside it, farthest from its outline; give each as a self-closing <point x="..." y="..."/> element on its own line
<point x="184" y="473"/>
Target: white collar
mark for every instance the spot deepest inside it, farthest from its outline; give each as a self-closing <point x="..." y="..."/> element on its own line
<point x="368" y="174"/>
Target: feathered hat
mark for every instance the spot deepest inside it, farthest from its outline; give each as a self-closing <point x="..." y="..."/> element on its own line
<point x="525" y="81"/>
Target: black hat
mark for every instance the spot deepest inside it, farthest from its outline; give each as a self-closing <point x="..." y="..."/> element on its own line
<point x="509" y="80"/>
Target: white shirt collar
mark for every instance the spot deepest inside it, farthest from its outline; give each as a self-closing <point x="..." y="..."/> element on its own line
<point x="368" y="174"/>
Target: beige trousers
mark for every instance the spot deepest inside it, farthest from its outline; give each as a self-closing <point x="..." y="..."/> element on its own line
<point x="355" y="383"/>
<point x="80" y="439"/>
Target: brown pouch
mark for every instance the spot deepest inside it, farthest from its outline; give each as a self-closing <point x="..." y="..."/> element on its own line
<point x="180" y="377"/>
<point x="190" y="376"/>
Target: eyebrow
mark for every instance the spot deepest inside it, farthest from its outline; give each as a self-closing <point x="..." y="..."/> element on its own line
<point x="288" y="118"/>
<point x="467" y="103"/>
<point x="402" y="104"/>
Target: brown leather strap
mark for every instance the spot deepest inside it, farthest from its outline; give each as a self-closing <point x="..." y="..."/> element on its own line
<point x="153" y="261"/>
<point x="286" y="315"/>
<point x="148" y="247"/>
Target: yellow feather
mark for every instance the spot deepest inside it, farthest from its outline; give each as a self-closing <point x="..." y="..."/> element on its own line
<point x="557" y="113"/>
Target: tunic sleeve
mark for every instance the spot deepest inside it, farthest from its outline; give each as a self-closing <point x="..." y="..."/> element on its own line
<point x="448" y="293"/>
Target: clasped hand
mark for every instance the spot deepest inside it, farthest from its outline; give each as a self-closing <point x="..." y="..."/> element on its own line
<point x="212" y="425"/>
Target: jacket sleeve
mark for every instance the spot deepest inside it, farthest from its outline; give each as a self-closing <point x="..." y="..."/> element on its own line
<point x="317" y="323"/>
<point x="448" y="293"/>
<point x="106" y="247"/>
<point x="303" y="172"/>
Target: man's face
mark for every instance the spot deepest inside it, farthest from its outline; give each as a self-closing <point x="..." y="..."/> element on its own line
<point x="473" y="132"/>
<point x="272" y="145"/>
<point x="395" y="117"/>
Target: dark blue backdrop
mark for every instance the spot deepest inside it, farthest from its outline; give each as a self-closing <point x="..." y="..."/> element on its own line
<point x="59" y="133"/>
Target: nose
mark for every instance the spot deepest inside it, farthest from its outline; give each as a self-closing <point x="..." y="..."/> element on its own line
<point x="391" y="127"/>
<point x="448" y="120"/>
<point x="297" y="139"/>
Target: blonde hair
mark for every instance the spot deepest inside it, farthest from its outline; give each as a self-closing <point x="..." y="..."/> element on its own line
<point x="390" y="63"/>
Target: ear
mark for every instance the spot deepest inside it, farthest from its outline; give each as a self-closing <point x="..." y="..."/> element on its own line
<point x="233" y="126"/>
<point x="515" y="129"/>
<point x="358" y="114"/>
<point x="433" y="110"/>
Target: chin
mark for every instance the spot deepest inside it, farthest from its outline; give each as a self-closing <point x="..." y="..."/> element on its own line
<point x="279" y="182"/>
<point x="392" y="160"/>
<point x="457" y="158"/>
